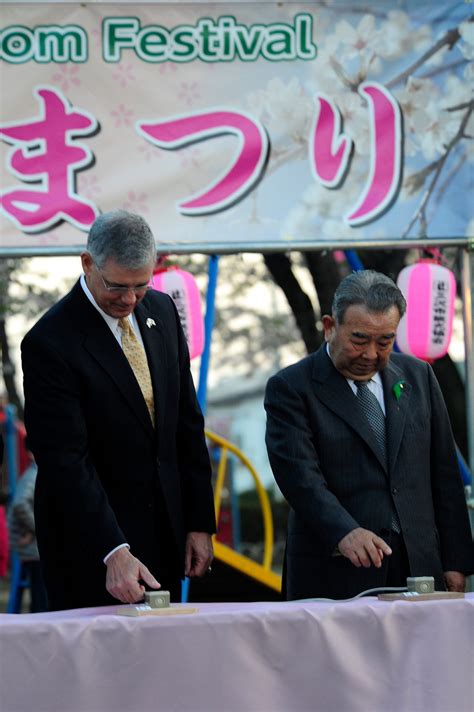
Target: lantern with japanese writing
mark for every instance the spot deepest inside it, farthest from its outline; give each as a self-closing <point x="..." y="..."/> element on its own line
<point x="430" y="290"/>
<point x="184" y="291"/>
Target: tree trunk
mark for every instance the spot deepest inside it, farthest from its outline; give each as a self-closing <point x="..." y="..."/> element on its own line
<point x="454" y="394"/>
<point x="279" y="266"/>
<point x="326" y="276"/>
<point x="9" y="372"/>
<point x="390" y="262"/>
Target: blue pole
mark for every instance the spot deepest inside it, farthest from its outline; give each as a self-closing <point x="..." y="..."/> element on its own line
<point x="208" y="326"/>
<point x="14" y="598"/>
<point x="235" y="510"/>
<point x="205" y="359"/>
<point x="353" y="259"/>
<point x="11" y="450"/>
<point x="464" y="469"/>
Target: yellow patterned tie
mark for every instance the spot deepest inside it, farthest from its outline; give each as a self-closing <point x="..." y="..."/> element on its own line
<point x="136" y="356"/>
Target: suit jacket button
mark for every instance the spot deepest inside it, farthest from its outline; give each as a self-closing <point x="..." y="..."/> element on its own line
<point x="394" y="490"/>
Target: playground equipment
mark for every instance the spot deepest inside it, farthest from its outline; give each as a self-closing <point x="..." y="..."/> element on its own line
<point x="262" y="574"/>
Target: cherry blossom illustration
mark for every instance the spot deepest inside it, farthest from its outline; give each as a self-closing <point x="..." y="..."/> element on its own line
<point x="189" y="157"/>
<point x="124" y="75"/>
<point x="284" y="109"/>
<point x="89" y="185"/>
<point x="67" y="77"/>
<point x="150" y="152"/>
<point x="429" y="76"/>
<point x="122" y="116"/>
<point x="136" y="202"/>
<point x="167" y="68"/>
<point x="188" y="93"/>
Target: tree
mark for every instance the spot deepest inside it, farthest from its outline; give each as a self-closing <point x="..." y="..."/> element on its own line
<point x="21" y="292"/>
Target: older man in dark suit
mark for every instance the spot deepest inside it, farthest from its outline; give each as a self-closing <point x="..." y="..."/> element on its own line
<point x="361" y="446"/>
<point x="123" y="494"/>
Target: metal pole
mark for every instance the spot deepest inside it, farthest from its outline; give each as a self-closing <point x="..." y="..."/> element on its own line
<point x="11" y="448"/>
<point x="467" y="281"/>
<point x="354" y="260"/>
<point x="208" y="326"/>
<point x="234" y="248"/>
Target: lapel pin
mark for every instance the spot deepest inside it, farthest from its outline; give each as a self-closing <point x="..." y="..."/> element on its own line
<point x="398" y="389"/>
<point x="150" y="323"/>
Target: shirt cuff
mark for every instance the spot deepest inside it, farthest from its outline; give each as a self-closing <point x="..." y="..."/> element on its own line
<point x="120" y="546"/>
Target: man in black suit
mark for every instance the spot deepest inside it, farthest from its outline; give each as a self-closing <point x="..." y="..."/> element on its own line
<point x="361" y="447"/>
<point x="123" y="494"/>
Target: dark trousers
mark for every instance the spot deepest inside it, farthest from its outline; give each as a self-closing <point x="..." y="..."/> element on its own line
<point x="398" y="565"/>
<point x="39" y="597"/>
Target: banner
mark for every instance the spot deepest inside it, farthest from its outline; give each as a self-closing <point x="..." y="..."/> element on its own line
<point x="233" y="126"/>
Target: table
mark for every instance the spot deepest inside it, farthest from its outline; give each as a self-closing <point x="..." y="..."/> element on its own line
<point x="365" y="655"/>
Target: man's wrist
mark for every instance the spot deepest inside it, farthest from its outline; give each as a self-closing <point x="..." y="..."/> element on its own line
<point x="117" y="548"/>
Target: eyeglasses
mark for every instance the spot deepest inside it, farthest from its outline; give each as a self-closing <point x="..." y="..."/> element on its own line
<point x="121" y="288"/>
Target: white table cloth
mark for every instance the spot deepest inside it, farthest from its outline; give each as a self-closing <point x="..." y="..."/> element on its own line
<point x="366" y="655"/>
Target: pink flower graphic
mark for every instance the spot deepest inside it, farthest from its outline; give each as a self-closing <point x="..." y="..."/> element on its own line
<point x="124" y="75"/>
<point x="89" y="186"/>
<point x="136" y="202"/>
<point x="189" y="157"/>
<point x="189" y="92"/>
<point x="122" y="116"/>
<point x="150" y="152"/>
<point x="167" y="68"/>
<point x="67" y="77"/>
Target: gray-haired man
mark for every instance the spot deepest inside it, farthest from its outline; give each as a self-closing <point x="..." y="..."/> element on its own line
<point x="361" y="446"/>
<point x="123" y="494"/>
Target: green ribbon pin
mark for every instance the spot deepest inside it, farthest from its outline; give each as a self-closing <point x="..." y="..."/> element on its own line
<point x="398" y="389"/>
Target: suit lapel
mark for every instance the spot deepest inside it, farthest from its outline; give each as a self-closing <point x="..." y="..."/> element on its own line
<point x="152" y="331"/>
<point x="396" y="409"/>
<point x="104" y="348"/>
<point x="333" y="390"/>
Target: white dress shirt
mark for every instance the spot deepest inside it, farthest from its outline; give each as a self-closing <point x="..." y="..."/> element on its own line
<point x="113" y="325"/>
<point x="374" y="385"/>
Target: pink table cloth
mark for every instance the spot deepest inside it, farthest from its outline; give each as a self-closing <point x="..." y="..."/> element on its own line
<point x="366" y="655"/>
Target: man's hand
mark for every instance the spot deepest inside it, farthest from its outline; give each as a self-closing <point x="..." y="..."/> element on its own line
<point x="455" y="581"/>
<point x="123" y="574"/>
<point x="363" y="548"/>
<point x="198" y="554"/>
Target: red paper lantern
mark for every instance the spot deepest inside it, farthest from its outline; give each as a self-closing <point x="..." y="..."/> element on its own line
<point x="430" y="290"/>
<point x="184" y="291"/>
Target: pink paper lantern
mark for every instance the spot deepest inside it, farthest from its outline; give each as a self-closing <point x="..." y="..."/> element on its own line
<point x="184" y="291"/>
<point x="430" y="290"/>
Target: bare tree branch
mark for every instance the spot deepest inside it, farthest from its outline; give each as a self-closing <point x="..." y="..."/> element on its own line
<point x="449" y="38"/>
<point x="279" y="266"/>
<point x="420" y="213"/>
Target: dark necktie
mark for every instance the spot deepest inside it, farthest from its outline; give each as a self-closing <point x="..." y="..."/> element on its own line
<point x="374" y="414"/>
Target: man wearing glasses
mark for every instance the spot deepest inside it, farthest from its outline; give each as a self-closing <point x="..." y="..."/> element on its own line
<point x="123" y="496"/>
